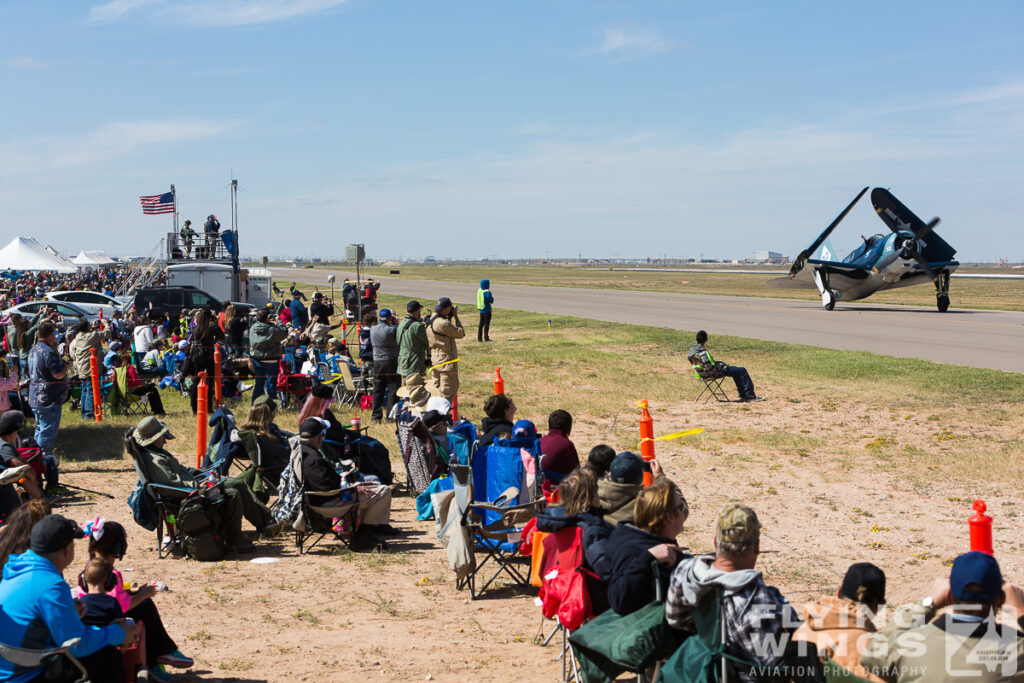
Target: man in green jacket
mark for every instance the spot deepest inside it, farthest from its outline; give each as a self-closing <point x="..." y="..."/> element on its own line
<point x="412" y="343"/>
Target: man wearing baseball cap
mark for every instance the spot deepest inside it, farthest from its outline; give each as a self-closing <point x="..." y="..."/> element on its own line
<point x="965" y="643"/>
<point x="412" y="343"/>
<point x="386" y="379"/>
<point x="755" y="615"/>
<point x="38" y="612"/>
<point x="319" y="474"/>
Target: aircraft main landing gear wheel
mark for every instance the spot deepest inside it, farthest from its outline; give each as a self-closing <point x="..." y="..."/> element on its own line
<point x="830" y="303"/>
<point x="942" y="301"/>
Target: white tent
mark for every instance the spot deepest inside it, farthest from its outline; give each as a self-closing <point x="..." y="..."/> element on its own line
<point x="93" y="258"/>
<point x="25" y="253"/>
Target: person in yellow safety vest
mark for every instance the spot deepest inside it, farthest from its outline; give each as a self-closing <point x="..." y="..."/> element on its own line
<point x="484" y="299"/>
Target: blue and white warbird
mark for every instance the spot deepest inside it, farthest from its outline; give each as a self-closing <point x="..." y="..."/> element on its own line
<point x="911" y="254"/>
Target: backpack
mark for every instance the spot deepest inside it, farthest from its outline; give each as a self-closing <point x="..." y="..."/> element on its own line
<point x="199" y="525"/>
<point x="143" y="508"/>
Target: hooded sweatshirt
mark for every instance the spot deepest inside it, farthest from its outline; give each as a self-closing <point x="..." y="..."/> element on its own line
<point x="484" y="298"/>
<point x="618" y="499"/>
<point x="595" y="535"/>
<point x="756" y="616"/>
<point x="632" y="583"/>
<point x="265" y="341"/>
<point x="38" y="613"/>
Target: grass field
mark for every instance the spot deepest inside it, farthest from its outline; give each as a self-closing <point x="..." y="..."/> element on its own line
<point x="852" y="457"/>
<point x="1005" y="295"/>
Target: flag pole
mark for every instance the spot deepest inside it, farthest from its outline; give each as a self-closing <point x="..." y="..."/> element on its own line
<point x="174" y="200"/>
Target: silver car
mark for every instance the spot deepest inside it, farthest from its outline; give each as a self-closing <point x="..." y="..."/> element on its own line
<point x="72" y="313"/>
<point x="93" y="302"/>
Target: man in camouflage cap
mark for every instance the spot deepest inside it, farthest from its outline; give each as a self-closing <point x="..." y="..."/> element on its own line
<point x="756" y="616"/>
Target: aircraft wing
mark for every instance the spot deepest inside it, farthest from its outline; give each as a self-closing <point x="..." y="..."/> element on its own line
<point x="896" y="216"/>
<point x="841" y="268"/>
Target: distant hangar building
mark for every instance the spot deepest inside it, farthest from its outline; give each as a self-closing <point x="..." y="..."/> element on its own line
<point x="769" y="257"/>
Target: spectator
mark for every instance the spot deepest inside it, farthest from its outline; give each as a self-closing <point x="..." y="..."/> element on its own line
<point x="112" y="357"/>
<point x="14" y="335"/>
<point x="200" y="358"/>
<point x="11" y="424"/>
<point x="318" y="405"/>
<point x="108" y="543"/>
<point x="841" y="625"/>
<point x="484" y="299"/>
<point x="137" y="387"/>
<point x="412" y="345"/>
<point x="321" y="309"/>
<point x="9" y="379"/>
<point x="48" y="388"/>
<point x="284" y="313"/>
<point x="39" y="613"/>
<point x="756" y="617"/>
<point x="295" y="292"/>
<point x="442" y="331"/>
<point x="212" y="229"/>
<point x="366" y="343"/>
<point x="599" y="461"/>
<point x="579" y="508"/>
<point x="86" y="341"/>
<point x="151" y="361"/>
<point x="300" y="315"/>
<point x="100" y="609"/>
<point x="318" y="474"/>
<point x="265" y="349"/>
<point x="273" y="441"/>
<point x="187" y="238"/>
<point x="235" y="330"/>
<point x="500" y="421"/>
<point x="558" y="453"/>
<point x="386" y="380"/>
<point x="619" y="491"/>
<point x="963" y="644"/>
<point x="660" y="514"/>
<point x="744" y="385"/>
<point x="17" y="529"/>
<point x="143" y="335"/>
<point x="152" y="434"/>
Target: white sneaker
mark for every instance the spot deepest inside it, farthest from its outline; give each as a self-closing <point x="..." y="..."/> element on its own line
<point x="242" y="386"/>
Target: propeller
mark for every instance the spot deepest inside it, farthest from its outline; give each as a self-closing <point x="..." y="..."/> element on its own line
<point x="911" y="248"/>
<point x="801" y="259"/>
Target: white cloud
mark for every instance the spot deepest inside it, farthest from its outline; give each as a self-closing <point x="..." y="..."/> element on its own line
<point x="208" y="13"/>
<point x="632" y="42"/>
<point x="1003" y="92"/>
<point x="24" y="63"/>
<point x="107" y="142"/>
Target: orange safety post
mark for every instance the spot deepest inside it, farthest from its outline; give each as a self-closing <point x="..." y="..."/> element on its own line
<point x="455" y="408"/>
<point x="218" y="376"/>
<point x="499" y="383"/>
<point x="94" y="371"/>
<point x="202" y="418"/>
<point x="646" y="439"/>
<point x="344" y="329"/>
<point x="981" y="529"/>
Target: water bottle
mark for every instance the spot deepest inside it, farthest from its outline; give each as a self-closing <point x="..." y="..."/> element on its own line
<point x="356" y="423"/>
<point x="211" y="480"/>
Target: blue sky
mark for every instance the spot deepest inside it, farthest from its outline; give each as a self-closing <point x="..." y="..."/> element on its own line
<point x="486" y="129"/>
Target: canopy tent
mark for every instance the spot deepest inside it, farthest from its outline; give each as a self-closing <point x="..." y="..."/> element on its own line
<point x="93" y="258"/>
<point x="25" y="253"/>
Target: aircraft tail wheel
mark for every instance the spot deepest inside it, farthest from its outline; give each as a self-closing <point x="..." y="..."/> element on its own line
<point x="942" y="301"/>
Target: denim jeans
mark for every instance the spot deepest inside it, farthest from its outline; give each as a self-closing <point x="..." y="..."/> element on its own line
<point x="87" y="406"/>
<point x="744" y="385"/>
<point x="47" y="424"/>
<point x="265" y="372"/>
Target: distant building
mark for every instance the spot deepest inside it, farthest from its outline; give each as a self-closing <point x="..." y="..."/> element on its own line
<point x="769" y="257"/>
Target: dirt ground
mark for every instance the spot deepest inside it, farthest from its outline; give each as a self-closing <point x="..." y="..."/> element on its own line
<point x="828" y="492"/>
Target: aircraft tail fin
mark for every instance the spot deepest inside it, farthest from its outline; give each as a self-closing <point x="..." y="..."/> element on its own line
<point x="826" y="252"/>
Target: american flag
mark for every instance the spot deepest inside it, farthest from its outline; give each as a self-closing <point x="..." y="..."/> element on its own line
<point x="158" y="203"/>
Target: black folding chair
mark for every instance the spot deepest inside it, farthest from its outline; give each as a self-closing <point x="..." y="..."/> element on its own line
<point x="712" y="383"/>
<point x="166" y="499"/>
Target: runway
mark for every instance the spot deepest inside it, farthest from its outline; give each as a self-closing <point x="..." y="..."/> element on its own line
<point x="984" y="339"/>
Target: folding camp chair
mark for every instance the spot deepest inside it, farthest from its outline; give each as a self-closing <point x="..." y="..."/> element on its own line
<point x="712" y="382"/>
<point x="166" y="499"/>
<point x="498" y="541"/>
<point x="562" y="556"/>
<point x="122" y="401"/>
<point x="22" y="657"/>
<point x="349" y="390"/>
<point x="418" y="454"/>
